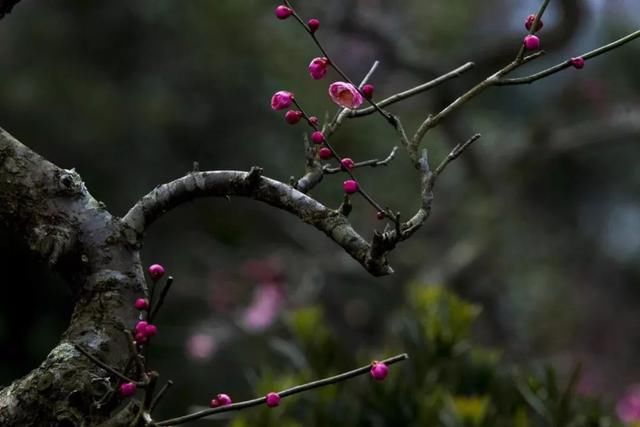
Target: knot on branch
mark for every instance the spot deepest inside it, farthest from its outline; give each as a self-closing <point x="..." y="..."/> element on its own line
<point x="253" y="176"/>
<point x="70" y="183"/>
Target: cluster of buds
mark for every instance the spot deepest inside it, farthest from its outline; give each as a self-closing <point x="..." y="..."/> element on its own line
<point x="343" y="93"/>
<point x="532" y="41"/>
<point x="144" y="331"/>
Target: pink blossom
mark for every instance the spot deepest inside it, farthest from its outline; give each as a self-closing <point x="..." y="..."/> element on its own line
<point x="201" y="346"/>
<point x="283" y="12"/>
<point x="628" y="408"/>
<point x="318" y="68"/>
<point x="264" y="309"/>
<point x="281" y="100"/>
<point x="345" y="95"/>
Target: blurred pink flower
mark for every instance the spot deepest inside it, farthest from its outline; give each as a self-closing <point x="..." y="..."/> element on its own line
<point x="264" y="270"/>
<point x="628" y="407"/>
<point x="264" y="309"/>
<point x="201" y="346"/>
<point x="345" y="95"/>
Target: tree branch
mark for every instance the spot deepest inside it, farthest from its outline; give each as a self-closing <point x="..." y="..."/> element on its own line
<point x="413" y="91"/>
<point x="566" y="64"/>
<point x="284" y="393"/>
<point x="274" y="193"/>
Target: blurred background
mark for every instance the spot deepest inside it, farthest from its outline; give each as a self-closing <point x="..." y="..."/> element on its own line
<point x="526" y="272"/>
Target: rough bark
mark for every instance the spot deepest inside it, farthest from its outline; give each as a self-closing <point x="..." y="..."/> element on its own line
<point x="62" y="223"/>
<point x="98" y="255"/>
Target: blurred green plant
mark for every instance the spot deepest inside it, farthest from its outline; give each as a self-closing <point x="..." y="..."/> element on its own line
<point x="448" y="381"/>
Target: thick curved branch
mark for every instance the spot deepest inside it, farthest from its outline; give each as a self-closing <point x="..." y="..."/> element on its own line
<point x="254" y="186"/>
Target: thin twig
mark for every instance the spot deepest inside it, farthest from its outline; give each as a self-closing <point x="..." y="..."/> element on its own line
<point x="107" y="367"/>
<point x="566" y="64"/>
<point x="457" y="150"/>
<point x="335" y="154"/>
<point x="433" y="120"/>
<point x="533" y="29"/>
<point x="372" y="163"/>
<point x="163" y="294"/>
<point x="413" y="91"/>
<point x="160" y="394"/>
<point x="284" y="393"/>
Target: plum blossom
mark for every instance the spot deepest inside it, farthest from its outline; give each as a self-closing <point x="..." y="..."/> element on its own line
<point x="345" y="95"/>
<point x="264" y="309"/>
<point x="318" y="68"/>
<point x="281" y="100"/>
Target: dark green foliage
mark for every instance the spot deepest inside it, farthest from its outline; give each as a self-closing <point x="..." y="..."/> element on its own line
<point x="447" y="382"/>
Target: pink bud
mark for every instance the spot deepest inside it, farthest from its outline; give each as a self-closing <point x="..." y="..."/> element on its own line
<point x="345" y="95"/>
<point x="380" y="215"/>
<point x="318" y="67"/>
<point x="347" y="163"/>
<point x="151" y="331"/>
<point x="281" y="100"/>
<point x="317" y="137"/>
<point x="324" y="153"/>
<point x="141" y="304"/>
<point x="350" y="186"/>
<point x="577" y="62"/>
<point x="313" y="121"/>
<point x="293" y="116"/>
<point x="283" y="12"/>
<point x="220" y="400"/>
<point x="529" y="22"/>
<point x="156" y="271"/>
<point x="273" y="399"/>
<point x="127" y="389"/>
<point x="141" y="338"/>
<point x="141" y="326"/>
<point x="531" y="42"/>
<point x="379" y="371"/>
<point x="314" y="24"/>
<point x="367" y="91"/>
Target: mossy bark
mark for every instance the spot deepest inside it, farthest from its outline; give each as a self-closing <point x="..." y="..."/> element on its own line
<point x="63" y="224"/>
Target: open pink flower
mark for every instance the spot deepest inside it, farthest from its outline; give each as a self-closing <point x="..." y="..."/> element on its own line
<point x="281" y="100"/>
<point x="345" y="95"/>
<point x="318" y="68"/>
